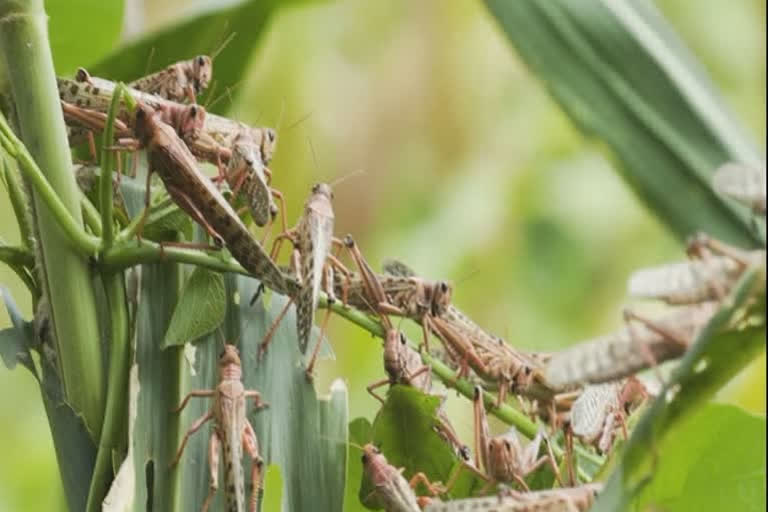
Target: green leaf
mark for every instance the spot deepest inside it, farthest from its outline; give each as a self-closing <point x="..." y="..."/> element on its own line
<point x="198" y="35"/>
<point x="620" y="73"/>
<point x="15" y="341"/>
<point x="304" y="435"/>
<point x="82" y="38"/>
<point x="200" y="310"/>
<point x="716" y="356"/>
<point x="404" y="431"/>
<point x="713" y="460"/>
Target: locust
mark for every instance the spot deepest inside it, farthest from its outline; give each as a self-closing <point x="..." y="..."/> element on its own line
<point x="474" y="347"/>
<point x="567" y="499"/>
<point x="601" y="408"/>
<point x="183" y="80"/>
<point x="232" y="431"/>
<point x="710" y="275"/>
<point x="391" y="491"/>
<point x="630" y="349"/>
<point x="313" y="263"/>
<point x="570" y="499"/>
<point x="194" y="192"/>
<point x="402" y="364"/>
<point x="246" y="171"/>
<point x="215" y="137"/>
<point x="744" y="183"/>
<point x="504" y="458"/>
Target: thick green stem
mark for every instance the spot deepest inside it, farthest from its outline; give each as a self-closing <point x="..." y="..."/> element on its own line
<point x="116" y="410"/>
<point x="19" y="202"/>
<point x="66" y="277"/>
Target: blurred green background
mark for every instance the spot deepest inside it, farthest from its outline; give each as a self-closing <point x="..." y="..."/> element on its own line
<point x="472" y="173"/>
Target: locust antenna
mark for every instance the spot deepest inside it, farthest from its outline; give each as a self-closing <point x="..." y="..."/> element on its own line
<point x="299" y="121"/>
<point x="227" y="93"/>
<point x="223" y="45"/>
<point x="149" y="60"/>
<point x="344" y="178"/>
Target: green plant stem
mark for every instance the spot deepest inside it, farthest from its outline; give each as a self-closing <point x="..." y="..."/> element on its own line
<point x="20" y="260"/>
<point x="91" y="216"/>
<point x="115" y="413"/>
<point x="19" y="203"/>
<point x="128" y="254"/>
<point x="60" y="212"/>
<point x="107" y="163"/>
<point x="65" y="274"/>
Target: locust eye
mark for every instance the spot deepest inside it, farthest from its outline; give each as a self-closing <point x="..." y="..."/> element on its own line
<point x="200" y="60"/>
<point x="271" y="135"/>
<point x="364" y="458"/>
<point x="193" y="110"/>
<point x="444" y="287"/>
<point x="402" y="338"/>
<point x="221" y="354"/>
<point x="507" y="445"/>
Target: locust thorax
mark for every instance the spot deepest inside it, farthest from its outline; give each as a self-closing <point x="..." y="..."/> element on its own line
<point x="230" y="367"/>
<point x="202" y="71"/>
<point x="394" y="363"/>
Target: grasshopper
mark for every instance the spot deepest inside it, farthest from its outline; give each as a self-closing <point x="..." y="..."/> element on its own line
<point x="629" y="350"/>
<point x="232" y="431"/>
<point x="567" y="499"/>
<point x="246" y="172"/>
<point x="710" y="276"/>
<point x="744" y="183"/>
<point x="600" y="408"/>
<point x="312" y="262"/>
<point x="402" y="363"/>
<point x="504" y="458"/>
<point x="179" y="81"/>
<point x="472" y="346"/>
<point x="197" y="195"/>
<point x="215" y="137"/>
<point x="391" y="491"/>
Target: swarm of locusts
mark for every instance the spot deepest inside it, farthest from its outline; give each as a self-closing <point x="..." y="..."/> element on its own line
<point x="585" y="392"/>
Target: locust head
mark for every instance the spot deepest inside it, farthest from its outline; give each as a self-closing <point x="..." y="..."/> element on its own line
<point x="229" y="363"/>
<point x="268" y="144"/>
<point x="143" y="124"/>
<point x="202" y="70"/>
<point x="323" y="190"/>
<point x="191" y="121"/>
<point x="441" y="297"/>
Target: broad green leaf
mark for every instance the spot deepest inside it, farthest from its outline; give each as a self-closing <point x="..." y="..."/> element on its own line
<point x="303" y="435"/>
<point x="404" y="430"/>
<point x="82" y="31"/>
<point x="618" y="71"/>
<point x="203" y="34"/>
<point x="715" y="357"/>
<point x="713" y="460"/>
<point x="201" y="308"/>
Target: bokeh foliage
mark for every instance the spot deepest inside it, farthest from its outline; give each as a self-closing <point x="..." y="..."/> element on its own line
<point x="458" y="139"/>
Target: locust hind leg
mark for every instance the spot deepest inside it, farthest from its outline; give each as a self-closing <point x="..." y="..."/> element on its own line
<point x="213" y="467"/>
<point x="186" y="204"/>
<point x="251" y="445"/>
<point x="295" y="263"/>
